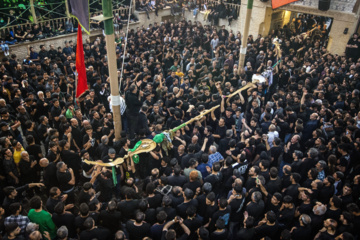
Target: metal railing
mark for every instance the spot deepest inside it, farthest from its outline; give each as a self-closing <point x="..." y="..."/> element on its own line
<point x="230" y="4"/>
<point x="55" y="23"/>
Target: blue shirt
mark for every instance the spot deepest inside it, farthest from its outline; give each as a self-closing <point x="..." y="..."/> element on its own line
<point x="215" y="157"/>
<point x="202" y="168"/>
<point x="34" y="55"/>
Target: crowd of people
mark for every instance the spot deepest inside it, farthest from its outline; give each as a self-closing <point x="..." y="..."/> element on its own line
<point x="31" y="31"/>
<point x="279" y="160"/>
<point x="213" y="10"/>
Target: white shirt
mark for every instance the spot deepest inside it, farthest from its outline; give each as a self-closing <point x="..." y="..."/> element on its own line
<point x="271" y="136"/>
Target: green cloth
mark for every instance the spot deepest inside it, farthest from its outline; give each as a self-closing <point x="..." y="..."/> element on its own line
<point x="159" y="138"/>
<point x="136" y="146"/>
<point x="135" y="158"/>
<point x="113" y="171"/>
<point x="114" y="176"/>
<point x="43" y="218"/>
<point x="68" y="114"/>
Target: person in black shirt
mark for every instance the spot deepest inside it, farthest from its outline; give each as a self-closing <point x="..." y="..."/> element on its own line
<point x="133" y="103"/>
<point x="49" y="171"/>
<point x="11" y="170"/>
<point x="56" y="111"/>
<point x="13" y="195"/>
<point x="43" y="128"/>
<point x="171" y="234"/>
<point x="90" y="141"/>
<point x="236" y="202"/>
<point x="138" y="229"/>
<point x="303" y="231"/>
<point x="268" y="227"/>
<point x="110" y="218"/>
<point x="287" y="212"/>
<point x="221" y="233"/>
<point x="53" y="155"/>
<point x="71" y="158"/>
<point x="61" y="217"/>
<point x="33" y="149"/>
<point x="274" y="184"/>
<point x="223" y="213"/>
<point x="84" y="214"/>
<point x="54" y="198"/>
<point x="177" y="179"/>
<point x="66" y="179"/>
<point x="166" y="207"/>
<point x="292" y="190"/>
<point x="188" y="201"/>
<point x="128" y="206"/>
<point x="93" y="231"/>
<point x="154" y="198"/>
<point x="306" y="206"/>
<point x="28" y="168"/>
<point x="220" y="130"/>
<point x="327" y="191"/>
<point x="256" y="207"/>
<point x="248" y="231"/>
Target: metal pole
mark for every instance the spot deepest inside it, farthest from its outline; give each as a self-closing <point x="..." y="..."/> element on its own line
<point x="32" y="10"/>
<point x="111" y="57"/>
<point x="126" y="38"/>
<point x="245" y="35"/>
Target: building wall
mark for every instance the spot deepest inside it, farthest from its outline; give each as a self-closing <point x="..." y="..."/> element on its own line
<point x="21" y="50"/>
<point x="340" y="10"/>
<point x="260" y="23"/>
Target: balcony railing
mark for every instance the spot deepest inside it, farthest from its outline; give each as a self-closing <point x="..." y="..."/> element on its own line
<point x="231" y="4"/>
<point x="55" y="23"/>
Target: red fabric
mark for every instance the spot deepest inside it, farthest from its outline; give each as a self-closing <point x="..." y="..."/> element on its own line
<point x="279" y="3"/>
<point x="81" y="86"/>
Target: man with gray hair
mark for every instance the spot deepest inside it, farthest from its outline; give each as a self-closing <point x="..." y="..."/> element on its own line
<point x="214" y="156"/>
<point x="224" y="143"/>
<point x="309" y="162"/>
<point x="317" y="216"/>
<point x="320" y="167"/>
<point x="27" y="167"/>
<point x="256" y="206"/>
<point x="31" y="227"/>
<point x="120" y="235"/>
<point x="62" y="233"/>
<point x="103" y="148"/>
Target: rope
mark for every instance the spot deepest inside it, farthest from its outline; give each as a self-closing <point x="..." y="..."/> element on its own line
<point x="51" y="11"/>
<point x="16" y="7"/>
<point x="16" y="18"/>
<point x="126" y="39"/>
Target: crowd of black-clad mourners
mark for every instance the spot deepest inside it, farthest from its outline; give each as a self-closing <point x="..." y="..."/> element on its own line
<point x="279" y="160"/>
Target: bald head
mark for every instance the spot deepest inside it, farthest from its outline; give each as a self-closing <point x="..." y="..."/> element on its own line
<point x="238" y="182"/>
<point x="36" y="235"/>
<point x="44" y="162"/>
<point x="86" y="123"/>
<point x="74" y="122"/>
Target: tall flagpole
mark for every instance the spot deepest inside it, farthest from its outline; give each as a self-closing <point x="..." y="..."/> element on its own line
<point x="243" y="47"/>
<point x="111" y="57"/>
<point x="124" y="50"/>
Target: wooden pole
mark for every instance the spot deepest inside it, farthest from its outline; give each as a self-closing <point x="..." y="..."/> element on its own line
<point x="245" y="35"/>
<point x="111" y="58"/>
<point x="32" y="10"/>
<point x="67" y="9"/>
